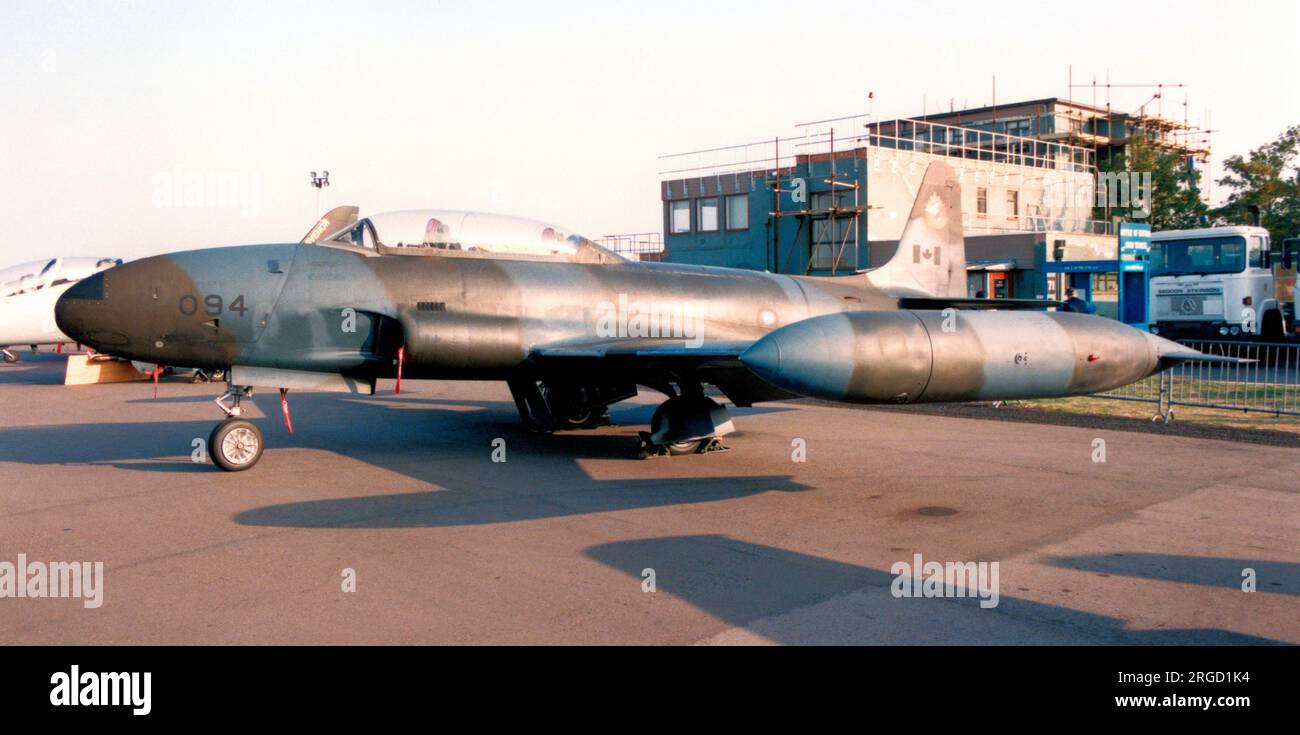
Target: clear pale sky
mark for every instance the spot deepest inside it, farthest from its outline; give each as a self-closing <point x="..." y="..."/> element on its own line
<point x="550" y="110"/>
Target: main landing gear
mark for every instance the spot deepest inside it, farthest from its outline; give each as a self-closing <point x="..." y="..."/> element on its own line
<point x="235" y="444"/>
<point x="687" y="423"/>
<point x="10" y="357"/>
<point x="546" y="407"/>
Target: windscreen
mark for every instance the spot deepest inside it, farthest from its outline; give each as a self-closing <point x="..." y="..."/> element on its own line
<point x="1198" y="256"/>
<point x="18" y="277"/>
<point x="40" y="274"/>
<point x="468" y="232"/>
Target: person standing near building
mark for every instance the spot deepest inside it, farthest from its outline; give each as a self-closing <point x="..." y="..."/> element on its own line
<point x="1076" y="304"/>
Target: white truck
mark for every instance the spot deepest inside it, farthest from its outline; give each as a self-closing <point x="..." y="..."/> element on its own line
<point x="1222" y="283"/>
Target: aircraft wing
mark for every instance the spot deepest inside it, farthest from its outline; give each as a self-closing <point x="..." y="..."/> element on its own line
<point x="651" y="361"/>
<point x="941" y="303"/>
<point x="650" y="349"/>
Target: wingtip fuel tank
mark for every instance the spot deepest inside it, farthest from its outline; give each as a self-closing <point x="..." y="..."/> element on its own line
<point x="933" y="356"/>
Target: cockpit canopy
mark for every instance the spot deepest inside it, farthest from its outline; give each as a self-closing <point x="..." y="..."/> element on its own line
<point x="425" y="231"/>
<point x="45" y="273"/>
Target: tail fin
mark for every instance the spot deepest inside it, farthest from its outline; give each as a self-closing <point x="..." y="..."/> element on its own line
<point x="333" y="221"/>
<point x="931" y="256"/>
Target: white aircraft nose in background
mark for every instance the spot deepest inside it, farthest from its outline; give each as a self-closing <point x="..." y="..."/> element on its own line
<point x="27" y="295"/>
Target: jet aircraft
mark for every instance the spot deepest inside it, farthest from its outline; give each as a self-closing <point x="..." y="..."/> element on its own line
<point x="573" y="328"/>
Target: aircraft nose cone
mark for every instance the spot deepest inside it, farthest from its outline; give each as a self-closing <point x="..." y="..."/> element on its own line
<point x="79" y="312"/>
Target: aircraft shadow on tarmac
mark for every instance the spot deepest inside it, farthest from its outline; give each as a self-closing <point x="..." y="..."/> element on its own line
<point x="169" y="400"/>
<point x="38" y="369"/>
<point x="1278" y="577"/>
<point x="753" y="586"/>
<point x="544" y="479"/>
<point x="447" y="443"/>
<point x="148" y="446"/>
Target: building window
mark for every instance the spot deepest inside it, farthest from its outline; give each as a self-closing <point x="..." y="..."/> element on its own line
<point x="1021" y="128"/>
<point x="1107" y="283"/>
<point x="707" y="219"/>
<point x="679" y="216"/>
<point x="830" y="235"/>
<point x="981" y="201"/>
<point x="843" y="199"/>
<point x="1013" y="203"/>
<point x="738" y="212"/>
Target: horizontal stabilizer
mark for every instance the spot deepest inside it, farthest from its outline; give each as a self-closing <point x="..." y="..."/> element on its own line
<point x="1168" y="359"/>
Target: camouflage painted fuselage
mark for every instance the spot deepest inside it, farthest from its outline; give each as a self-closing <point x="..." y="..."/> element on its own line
<point x="331" y="309"/>
<point x="522" y="301"/>
<point x="338" y="310"/>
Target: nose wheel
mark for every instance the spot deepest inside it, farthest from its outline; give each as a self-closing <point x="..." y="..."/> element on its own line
<point x="235" y="444"/>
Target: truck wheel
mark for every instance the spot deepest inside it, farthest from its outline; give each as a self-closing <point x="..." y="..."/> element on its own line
<point x="1272" y="327"/>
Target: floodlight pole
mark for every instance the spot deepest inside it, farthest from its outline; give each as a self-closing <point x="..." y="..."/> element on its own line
<point x="320" y="182"/>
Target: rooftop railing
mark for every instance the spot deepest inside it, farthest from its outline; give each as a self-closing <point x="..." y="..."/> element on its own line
<point x="916" y="136"/>
<point x="981" y="224"/>
<point x="634" y="243"/>
<point x="977" y="145"/>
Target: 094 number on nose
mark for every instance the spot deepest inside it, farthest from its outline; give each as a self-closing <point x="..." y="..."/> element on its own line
<point x="213" y="305"/>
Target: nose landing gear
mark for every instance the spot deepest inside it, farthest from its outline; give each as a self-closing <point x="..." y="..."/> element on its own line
<point x="235" y="444"/>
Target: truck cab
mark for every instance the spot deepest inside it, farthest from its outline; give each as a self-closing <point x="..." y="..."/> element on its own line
<point x="1220" y="283"/>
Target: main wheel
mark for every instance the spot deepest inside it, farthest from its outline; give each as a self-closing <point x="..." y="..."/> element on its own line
<point x="592" y="418"/>
<point x="686" y="447"/>
<point x="660" y="419"/>
<point x="10" y="357"/>
<point x="235" y="444"/>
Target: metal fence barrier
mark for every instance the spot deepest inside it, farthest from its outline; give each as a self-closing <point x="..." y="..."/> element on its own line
<point x="1269" y="385"/>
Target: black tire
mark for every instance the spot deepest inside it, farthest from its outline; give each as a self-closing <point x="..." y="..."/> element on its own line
<point x="576" y="421"/>
<point x="1272" y="328"/>
<point x="235" y="445"/>
<point x="675" y="448"/>
<point x="590" y="419"/>
<point x="687" y="447"/>
<point x="11" y="357"/>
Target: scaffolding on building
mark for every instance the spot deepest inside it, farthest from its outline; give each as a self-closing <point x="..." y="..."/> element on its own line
<point x="823" y="224"/>
<point x="1165" y="133"/>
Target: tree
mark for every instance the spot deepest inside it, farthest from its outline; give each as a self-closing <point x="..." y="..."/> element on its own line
<point x="1175" y="187"/>
<point x="1267" y="178"/>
